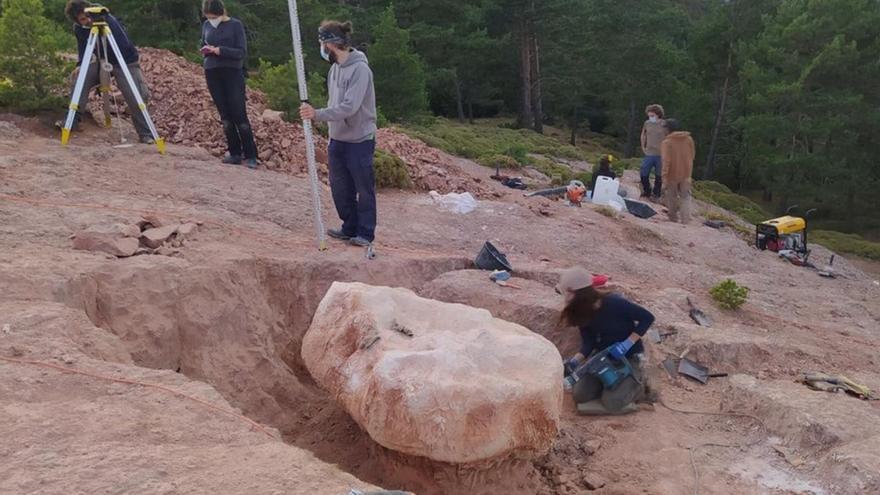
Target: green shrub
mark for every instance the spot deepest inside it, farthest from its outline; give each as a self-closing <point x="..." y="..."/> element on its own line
<point x="381" y="120"/>
<point x="730" y="295"/>
<point x="34" y="73"/>
<point x="279" y="83"/>
<point x="846" y="243"/>
<point x="518" y="152"/>
<point x="499" y="161"/>
<point x="391" y="171"/>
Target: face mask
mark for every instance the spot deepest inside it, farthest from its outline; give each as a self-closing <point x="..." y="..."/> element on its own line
<point x="653" y="120"/>
<point x="214" y="22"/>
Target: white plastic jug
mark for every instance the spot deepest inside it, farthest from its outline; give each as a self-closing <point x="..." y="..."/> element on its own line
<point x="606" y="190"/>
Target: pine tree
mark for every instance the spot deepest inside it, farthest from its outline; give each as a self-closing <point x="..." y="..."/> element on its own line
<point x="32" y="74"/>
<point x="398" y="71"/>
<point x="811" y="83"/>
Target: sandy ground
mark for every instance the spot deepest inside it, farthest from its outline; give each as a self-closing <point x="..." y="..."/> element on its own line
<point x="222" y="322"/>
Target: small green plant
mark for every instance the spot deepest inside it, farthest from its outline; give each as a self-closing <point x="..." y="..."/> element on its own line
<point x="730" y="295"/>
<point x="391" y="171"/>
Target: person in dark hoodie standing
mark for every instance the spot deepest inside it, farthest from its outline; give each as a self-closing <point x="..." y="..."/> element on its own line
<point x="678" y="165"/>
<point x="224" y="47"/>
<point x="76" y="12"/>
<point x="351" y="114"/>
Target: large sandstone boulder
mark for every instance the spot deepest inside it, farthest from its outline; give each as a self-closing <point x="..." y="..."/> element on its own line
<point x="535" y="306"/>
<point x="437" y="380"/>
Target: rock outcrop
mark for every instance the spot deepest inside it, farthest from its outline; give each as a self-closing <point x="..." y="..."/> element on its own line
<point x="437" y="380"/>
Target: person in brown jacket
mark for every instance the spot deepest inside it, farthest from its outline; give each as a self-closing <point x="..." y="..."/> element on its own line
<point x="678" y="153"/>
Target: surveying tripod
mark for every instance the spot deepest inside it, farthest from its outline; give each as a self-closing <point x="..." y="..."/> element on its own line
<point x="100" y="32"/>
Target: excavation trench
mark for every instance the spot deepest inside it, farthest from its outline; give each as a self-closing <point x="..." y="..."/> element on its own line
<point x="239" y="326"/>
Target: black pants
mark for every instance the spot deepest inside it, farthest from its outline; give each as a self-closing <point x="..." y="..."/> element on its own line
<point x="353" y="184"/>
<point x="227" y="89"/>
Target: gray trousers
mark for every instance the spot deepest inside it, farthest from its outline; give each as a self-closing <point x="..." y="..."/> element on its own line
<point x="93" y="79"/>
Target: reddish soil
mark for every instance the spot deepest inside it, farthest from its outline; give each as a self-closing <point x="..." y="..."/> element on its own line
<point x="229" y="311"/>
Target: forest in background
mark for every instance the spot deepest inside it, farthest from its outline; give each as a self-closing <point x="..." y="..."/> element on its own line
<point x="782" y="96"/>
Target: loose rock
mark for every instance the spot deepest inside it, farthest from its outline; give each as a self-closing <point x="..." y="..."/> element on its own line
<point x="110" y="240"/>
<point x="154" y="238"/>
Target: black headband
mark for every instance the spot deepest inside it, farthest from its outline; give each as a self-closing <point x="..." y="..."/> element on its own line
<point x="326" y="36"/>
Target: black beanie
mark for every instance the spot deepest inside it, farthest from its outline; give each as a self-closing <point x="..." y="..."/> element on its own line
<point x="215" y="7"/>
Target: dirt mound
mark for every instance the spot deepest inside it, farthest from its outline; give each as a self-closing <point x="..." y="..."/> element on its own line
<point x="429" y="168"/>
<point x="184" y="113"/>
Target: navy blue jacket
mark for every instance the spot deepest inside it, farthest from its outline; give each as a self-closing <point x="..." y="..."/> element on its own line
<point x="616" y="320"/>
<point x="229" y="36"/>
<point x="129" y="51"/>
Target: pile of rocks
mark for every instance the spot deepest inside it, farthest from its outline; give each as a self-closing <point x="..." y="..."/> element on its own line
<point x="429" y="168"/>
<point x="148" y="236"/>
<point x="184" y="113"/>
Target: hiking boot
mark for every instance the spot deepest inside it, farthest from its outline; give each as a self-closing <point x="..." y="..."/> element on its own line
<point x="359" y="241"/>
<point x="338" y="234"/>
<point x="147" y="140"/>
<point x="251" y="163"/>
<point x="232" y="160"/>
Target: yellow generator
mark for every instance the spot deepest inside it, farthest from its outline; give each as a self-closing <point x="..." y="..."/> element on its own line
<point x="783" y="233"/>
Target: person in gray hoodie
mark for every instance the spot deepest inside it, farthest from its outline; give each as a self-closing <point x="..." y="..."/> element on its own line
<point x="351" y="115"/>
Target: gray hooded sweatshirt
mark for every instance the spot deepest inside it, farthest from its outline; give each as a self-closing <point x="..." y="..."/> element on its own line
<point x="351" y="109"/>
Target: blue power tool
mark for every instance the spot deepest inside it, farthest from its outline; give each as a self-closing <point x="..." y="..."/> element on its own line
<point x="603" y="366"/>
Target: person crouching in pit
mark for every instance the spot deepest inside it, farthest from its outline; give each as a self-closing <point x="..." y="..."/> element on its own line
<point x="607" y="322"/>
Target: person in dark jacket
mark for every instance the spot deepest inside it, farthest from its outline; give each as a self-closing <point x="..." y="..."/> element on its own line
<point x="224" y="47"/>
<point x="75" y="11"/>
<point x="606" y="321"/>
<point x="603" y="170"/>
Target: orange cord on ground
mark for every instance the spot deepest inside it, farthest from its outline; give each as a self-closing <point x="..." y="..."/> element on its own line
<point x="163" y="388"/>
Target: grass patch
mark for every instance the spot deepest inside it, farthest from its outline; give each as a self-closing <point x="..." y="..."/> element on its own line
<point x="391" y="171"/>
<point x="746" y="232"/>
<point x="479" y="142"/>
<point x="560" y="174"/>
<point x="721" y="196"/>
<point x="607" y="211"/>
<point x="846" y="243"/>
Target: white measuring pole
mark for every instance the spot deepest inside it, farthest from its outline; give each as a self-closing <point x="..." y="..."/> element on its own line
<point x="307" y="124"/>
